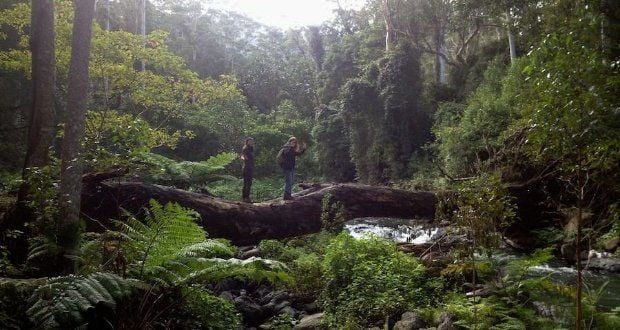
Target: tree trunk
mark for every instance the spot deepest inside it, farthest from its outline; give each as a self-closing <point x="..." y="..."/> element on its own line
<point x="42" y="115"/>
<point x="42" y="120"/>
<point x="142" y="26"/>
<point x="511" y="39"/>
<point x="440" y="61"/>
<point x="249" y="223"/>
<point x="75" y="116"/>
<point x="388" y="16"/>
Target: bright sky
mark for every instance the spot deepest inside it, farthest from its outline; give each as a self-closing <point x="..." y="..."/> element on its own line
<point x="285" y="13"/>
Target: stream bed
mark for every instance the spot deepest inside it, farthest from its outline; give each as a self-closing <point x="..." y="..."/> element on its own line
<point x="421" y="232"/>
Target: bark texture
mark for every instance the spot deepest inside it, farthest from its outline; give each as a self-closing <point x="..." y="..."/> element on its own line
<point x="249" y="223"/>
<point x="75" y="116"/>
<point x="42" y="114"/>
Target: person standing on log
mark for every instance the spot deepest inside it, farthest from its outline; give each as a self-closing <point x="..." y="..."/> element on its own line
<point x="286" y="159"/>
<point x="247" y="156"/>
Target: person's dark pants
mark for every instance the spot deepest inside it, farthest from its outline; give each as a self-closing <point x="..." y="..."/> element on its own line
<point x="288" y="183"/>
<point x="247" y="186"/>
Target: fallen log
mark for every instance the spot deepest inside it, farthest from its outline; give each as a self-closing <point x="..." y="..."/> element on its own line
<point x="245" y="223"/>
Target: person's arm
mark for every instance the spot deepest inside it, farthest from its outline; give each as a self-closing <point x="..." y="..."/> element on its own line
<point x="301" y="150"/>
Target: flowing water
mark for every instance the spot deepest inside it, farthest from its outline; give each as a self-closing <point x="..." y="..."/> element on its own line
<point x="397" y="230"/>
<point x="605" y="285"/>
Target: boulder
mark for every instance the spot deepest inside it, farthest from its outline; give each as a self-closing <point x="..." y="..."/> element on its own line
<point x="568" y="252"/>
<point x="445" y="322"/>
<point x="611" y="244"/>
<point x="314" y="321"/>
<point x="611" y="265"/>
<point x="227" y="295"/>
<point x="252" y="312"/>
<point x="275" y="297"/>
<point x="409" y="321"/>
<point x="279" y="307"/>
<point x="310" y="308"/>
<point x="290" y="311"/>
<point x="482" y="292"/>
<point x="250" y="253"/>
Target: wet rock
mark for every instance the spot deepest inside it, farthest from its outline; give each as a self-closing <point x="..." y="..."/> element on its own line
<point x="416" y="249"/>
<point x="611" y="265"/>
<point x="275" y="297"/>
<point x="269" y="309"/>
<point x="482" y="292"/>
<point x="568" y="252"/>
<point x="227" y="295"/>
<point x="246" y="248"/>
<point x="310" y="322"/>
<point x="311" y="308"/>
<point x="445" y="322"/>
<point x="435" y="260"/>
<point x="252" y="312"/>
<point x="409" y="321"/>
<point x="279" y="307"/>
<point x="612" y="244"/>
<point x="542" y="309"/>
<point x="290" y="311"/>
<point x="230" y="284"/>
<point x="250" y="253"/>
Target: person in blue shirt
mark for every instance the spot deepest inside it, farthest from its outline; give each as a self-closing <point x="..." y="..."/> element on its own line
<point x="287" y="162"/>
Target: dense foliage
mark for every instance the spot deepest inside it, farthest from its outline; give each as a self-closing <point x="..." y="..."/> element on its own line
<point x="510" y="106"/>
<point x="369" y="280"/>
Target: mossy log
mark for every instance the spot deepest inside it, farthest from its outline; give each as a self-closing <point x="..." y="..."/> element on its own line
<point x="245" y="223"/>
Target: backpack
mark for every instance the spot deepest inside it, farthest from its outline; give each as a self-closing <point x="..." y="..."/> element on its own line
<point x="280" y="157"/>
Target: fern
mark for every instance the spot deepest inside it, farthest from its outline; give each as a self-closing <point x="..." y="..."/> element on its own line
<point x="70" y="301"/>
<point x="215" y="269"/>
<point x="208" y="249"/>
<point x="185" y="174"/>
<point x="41" y="247"/>
<point x="170" y="249"/>
<point x="166" y="231"/>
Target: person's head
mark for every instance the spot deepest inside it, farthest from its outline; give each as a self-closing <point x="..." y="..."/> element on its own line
<point x="292" y="141"/>
<point x="249" y="142"/>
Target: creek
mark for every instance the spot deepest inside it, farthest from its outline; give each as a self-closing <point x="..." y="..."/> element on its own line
<point x="602" y="284"/>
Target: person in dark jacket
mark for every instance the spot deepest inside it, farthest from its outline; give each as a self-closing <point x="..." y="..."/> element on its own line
<point x="289" y="151"/>
<point x="247" y="156"/>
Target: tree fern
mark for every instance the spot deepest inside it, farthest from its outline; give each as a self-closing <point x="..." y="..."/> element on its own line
<point x="170" y="249"/>
<point x="193" y="270"/>
<point x="185" y="174"/>
<point x="166" y="231"/>
<point x="70" y="301"/>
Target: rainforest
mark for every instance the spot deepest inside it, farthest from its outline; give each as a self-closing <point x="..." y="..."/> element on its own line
<point x="401" y="164"/>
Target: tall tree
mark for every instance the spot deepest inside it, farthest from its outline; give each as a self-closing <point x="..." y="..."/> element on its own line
<point x="42" y="114"/>
<point x="142" y="25"/>
<point x="407" y="125"/>
<point x="388" y="11"/>
<point x="75" y="116"/>
<point x="315" y="43"/>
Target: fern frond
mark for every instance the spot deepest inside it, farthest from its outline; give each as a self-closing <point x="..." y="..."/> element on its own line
<point x="215" y="269"/>
<point x="219" y="161"/>
<point x="166" y="231"/>
<point x="41" y="247"/>
<point x="67" y="301"/>
<point x="208" y="249"/>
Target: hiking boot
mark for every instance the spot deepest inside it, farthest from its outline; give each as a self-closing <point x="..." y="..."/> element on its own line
<point x="247" y="200"/>
<point x="287" y="198"/>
